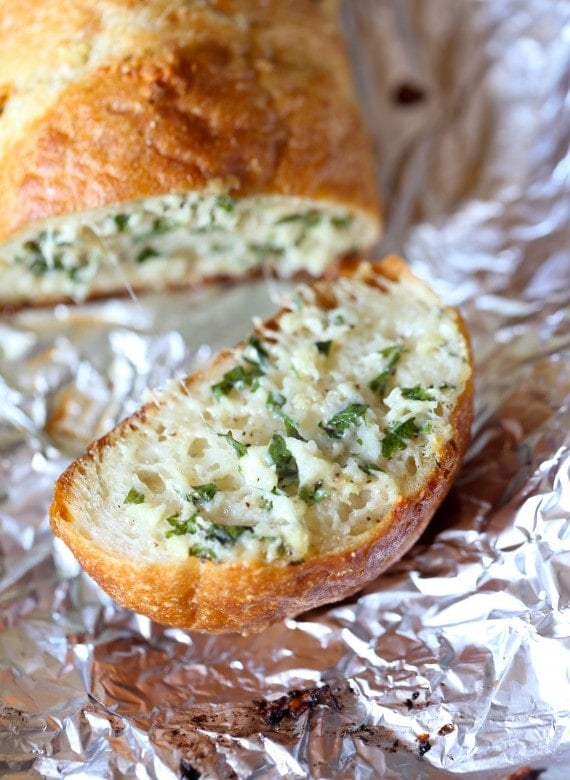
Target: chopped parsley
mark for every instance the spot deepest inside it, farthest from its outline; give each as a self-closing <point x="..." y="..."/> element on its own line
<point x="285" y="463"/>
<point x="312" y="495"/>
<point x="121" y="221"/>
<point x="340" y="422"/>
<point x="267" y="250"/>
<point x="342" y="222"/>
<point x="200" y="551"/>
<point x="201" y="494"/>
<point x="241" y="449"/>
<point x="395" y="437"/>
<point x="226" y="535"/>
<point x="225" y="203"/>
<point x="336" y="318"/>
<point x="134" y="497"/>
<point x="369" y="468"/>
<point x="380" y="382"/>
<point x="262" y="354"/>
<point x="291" y="428"/>
<point x="275" y="402"/>
<point x="238" y="377"/>
<point x="324" y="347"/>
<point x="417" y="393"/>
<point x="244" y="376"/>
<point x="308" y="218"/>
<point x="180" y="527"/>
<point x="146" y="254"/>
<point x="159" y="226"/>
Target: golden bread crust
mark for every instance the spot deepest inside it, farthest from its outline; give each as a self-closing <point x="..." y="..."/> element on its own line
<point x="129" y="100"/>
<point x="223" y="597"/>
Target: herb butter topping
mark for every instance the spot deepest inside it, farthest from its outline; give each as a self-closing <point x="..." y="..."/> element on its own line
<point x="178" y="239"/>
<point x="305" y="437"/>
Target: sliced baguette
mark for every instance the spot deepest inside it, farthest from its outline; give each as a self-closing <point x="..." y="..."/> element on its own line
<point x="150" y="145"/>
<point x="290" y="471"/>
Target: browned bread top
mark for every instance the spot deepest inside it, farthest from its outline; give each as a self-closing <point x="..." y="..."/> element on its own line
<point x="116" y="101"/>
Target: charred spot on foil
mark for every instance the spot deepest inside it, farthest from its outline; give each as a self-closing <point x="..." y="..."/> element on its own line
<point x="525" y="773"/>
<point x="295" y="703"/>
<point x="413" y="701"/>
<point x="13" y="716"/>
<point x="408" y="94"/>
<point x="447" y="729"/>
<point x="378" y="737"/>
<point x="188" y="772"/>
<point x="424" y="744"/>
<point x="410" y="702"/>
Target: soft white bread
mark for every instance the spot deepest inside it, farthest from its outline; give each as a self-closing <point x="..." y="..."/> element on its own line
<point x="287" y="473"/>
<point x="150" y="144"/>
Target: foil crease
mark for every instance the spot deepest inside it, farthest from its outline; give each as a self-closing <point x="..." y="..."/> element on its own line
<point x="453" y="663"/>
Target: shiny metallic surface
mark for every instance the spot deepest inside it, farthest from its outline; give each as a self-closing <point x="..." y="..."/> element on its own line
<point x="456" y="662"/>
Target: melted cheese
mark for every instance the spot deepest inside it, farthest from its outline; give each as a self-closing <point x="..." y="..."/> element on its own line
<point x="175" y="240"/>
<point x="306" y="453"/>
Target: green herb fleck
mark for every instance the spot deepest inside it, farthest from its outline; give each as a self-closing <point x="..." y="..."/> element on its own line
<point x="324" y="347"/>
<point x="39" y="266"/>
<point x="181" y="527"/>
<point x="417" y="393"/>
<point x="291" y="428"/>
<point x="267" y="250"/>
<point x="339" y="423"/>
<point x="32" y="247"/>
<point x="267" y="504"/>
<point x="308" y="218"/>
<point x="369" y="468"/>
<point x="313" y="495"/>
<point x="201" y="494"/>
<point x="396" y="435"/>
<point x="238" y="377"/>
<point x="262" y="354"/>
<point x="121" y="221"/>
<point x="341" y="222"/>
<point x="275" y="402"/>
<point x="146" y="254"/>
<point x="227" y="535"/>
<point x="200" y="551"/>
<point x="159" y="227"/>
<point x="134" y="497"/>
<point x="241" y="449"/>
<point x="380" y="382"/>
<point x="225" y="203"/>
<point x="285" y="463"/>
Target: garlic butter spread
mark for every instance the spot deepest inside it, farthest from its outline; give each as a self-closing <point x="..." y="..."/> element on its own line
<point x="303" y="438"/>
<point x="176" y="239"/>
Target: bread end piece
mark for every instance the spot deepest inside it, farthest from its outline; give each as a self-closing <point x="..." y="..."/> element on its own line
<point x="150" y="146"/>
<point x="245" y="592"/>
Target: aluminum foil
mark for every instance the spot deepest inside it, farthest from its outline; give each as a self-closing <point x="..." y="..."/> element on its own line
<point x="454" y="663"/>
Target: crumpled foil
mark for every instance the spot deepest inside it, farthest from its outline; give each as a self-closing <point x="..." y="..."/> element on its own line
<point x="455" y="662"/>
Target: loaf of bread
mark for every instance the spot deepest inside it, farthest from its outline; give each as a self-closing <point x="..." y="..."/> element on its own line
<point x="290" y="471"/>
<point x="153" y="144"/>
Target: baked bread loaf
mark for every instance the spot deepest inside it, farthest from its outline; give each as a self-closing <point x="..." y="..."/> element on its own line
<point x="287" y="473"/>
<point x="149" y="144"/>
